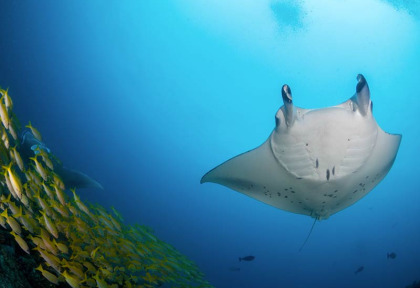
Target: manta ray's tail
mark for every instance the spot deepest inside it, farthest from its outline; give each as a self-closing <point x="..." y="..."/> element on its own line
<point x="309" y="234"/>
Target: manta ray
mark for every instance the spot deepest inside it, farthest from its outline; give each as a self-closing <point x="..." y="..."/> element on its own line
<point x="315" y="162"/>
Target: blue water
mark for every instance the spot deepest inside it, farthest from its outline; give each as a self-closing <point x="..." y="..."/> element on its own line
<point x="147" y="96"/>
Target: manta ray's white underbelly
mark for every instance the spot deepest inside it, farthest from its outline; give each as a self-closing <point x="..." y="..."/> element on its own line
<point x="325" y="144"/>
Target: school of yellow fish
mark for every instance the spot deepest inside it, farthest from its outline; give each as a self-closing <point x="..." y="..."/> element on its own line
<point x="83" y="245"/>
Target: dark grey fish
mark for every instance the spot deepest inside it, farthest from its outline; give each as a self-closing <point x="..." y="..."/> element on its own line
<point x="30" y="147"/>
<point x="391" y="255"/>
<point x="414" y="285"/>
<point x="360" y="269"/>
<point x="247" y="258"/>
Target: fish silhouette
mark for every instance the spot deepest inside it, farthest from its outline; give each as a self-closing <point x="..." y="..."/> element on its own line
<point x="360" y="269"/>
<point x="247" y="258"/>
<point x="391" y="255"/>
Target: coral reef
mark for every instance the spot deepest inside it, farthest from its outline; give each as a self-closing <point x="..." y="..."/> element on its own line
<point x="51" y="238"/>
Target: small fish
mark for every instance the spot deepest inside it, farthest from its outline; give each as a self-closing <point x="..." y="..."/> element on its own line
<point x="35" y="132"/>
<point x="72" y="281"/>
<point x="102" y="284"/>
<point x="90" y="267"/>
<point x="247" y="258"/>
<point x="60" y="209"/>
<point x="51" y="277"/>
<point x="3" y="114"/>
<point x="14" y="180"/>
<point x="48" y="244"/>
<point x="9" y="185"/>
<point x="5" y="138"/>
<point x="12" y="222"/>
<point x="39" y="168"/>
<point x="13" y="129"/>
<point x="49" y="224"/>
<point x="45" y="158"/>
<point x="79" y="203"/>
<point x="57" y="181"/>
<point x="360" y="269"/>
<point x="75" y="268"/>
<point x="59" y="193"/>
<point x="3" y="222"/>
<point x="27" y="222"/>
<point x="7" y="100"/>
<point x="18" y="159"/>
<point x="21" y="242"/>
<point x="48" y="190"/>
<point x="51" y="260"/>
<point x="93" y="253"/>
<point x="391" y="255"/>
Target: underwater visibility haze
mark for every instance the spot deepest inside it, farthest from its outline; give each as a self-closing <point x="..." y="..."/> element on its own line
<point x="145" y="97"/>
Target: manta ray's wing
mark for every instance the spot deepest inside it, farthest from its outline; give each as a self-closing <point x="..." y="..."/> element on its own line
<point x="255" y="173"/>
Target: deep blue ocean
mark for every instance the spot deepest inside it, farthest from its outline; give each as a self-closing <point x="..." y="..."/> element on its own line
<point x="147" y="96"/>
